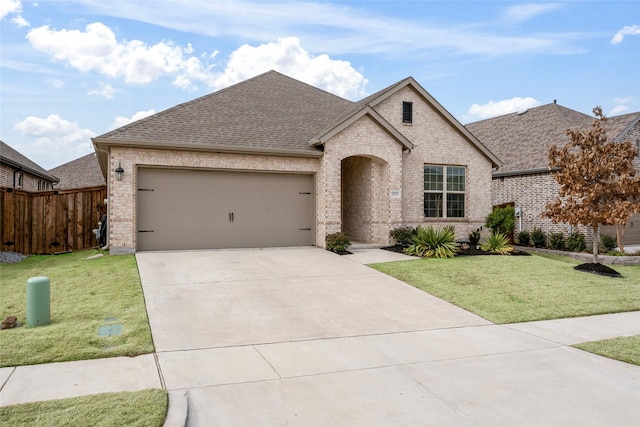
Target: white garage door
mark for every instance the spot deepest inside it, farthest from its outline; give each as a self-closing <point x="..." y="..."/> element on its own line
<point x="187" y="209"/>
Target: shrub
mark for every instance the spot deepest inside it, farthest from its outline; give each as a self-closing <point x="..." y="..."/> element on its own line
<point x="474" y="237"/>
<point x="524" y="238"/>
<point x="607" y="243"/>
<point x="556" y="241"/>
<point x="575" y="242"/>
<point x="337" y="242"/>
<point x="497" y="243"/>
<point x="539" y="238"/>
<point x="502" y="220"/>
<point x="403" y="235"/>
<point x="431" y="243"/>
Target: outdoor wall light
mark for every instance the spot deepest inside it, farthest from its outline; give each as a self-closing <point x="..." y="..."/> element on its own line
<point x="119" y="172"/>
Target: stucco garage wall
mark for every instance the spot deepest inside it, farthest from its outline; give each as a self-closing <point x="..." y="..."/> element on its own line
<point x="122" y="221"/>
<point x="438" y="142"/>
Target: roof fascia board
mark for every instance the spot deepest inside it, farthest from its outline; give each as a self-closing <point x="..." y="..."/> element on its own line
<point x="24" y="168"/>
<point x="358" y="115"/>
<point x="498" y="174"/>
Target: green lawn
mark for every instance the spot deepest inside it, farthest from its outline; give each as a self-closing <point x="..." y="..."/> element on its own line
<point x="625" y="349"/>
<point x="85" y="294"/>
<point x="508" y="289"/>
<point x="146" y="408"/>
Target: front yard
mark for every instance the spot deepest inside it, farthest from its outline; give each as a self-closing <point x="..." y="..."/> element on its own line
<point x="509" y="289"/>
<point x="85" y="295"/>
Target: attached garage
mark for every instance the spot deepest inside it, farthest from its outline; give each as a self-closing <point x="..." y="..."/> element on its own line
<point x="631" y="231"/>
<point x="201" y="209"/>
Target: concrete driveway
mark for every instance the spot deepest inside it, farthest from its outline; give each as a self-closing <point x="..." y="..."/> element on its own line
<point x="301" y="336"/>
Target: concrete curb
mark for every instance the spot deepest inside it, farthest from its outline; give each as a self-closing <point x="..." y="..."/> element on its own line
<point x="583" y="256"/>
<point x="178" y="410"/>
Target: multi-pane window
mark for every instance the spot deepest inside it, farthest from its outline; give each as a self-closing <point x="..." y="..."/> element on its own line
<point x="407" y="112"/>
<point x="444" y="191"/>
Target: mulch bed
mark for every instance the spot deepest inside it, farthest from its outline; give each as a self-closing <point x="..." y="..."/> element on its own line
<point x="597" y="268"/>
<point x="470" y="251"/>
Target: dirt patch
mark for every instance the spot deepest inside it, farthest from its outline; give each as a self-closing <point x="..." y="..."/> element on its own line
<point x="597" y="268"/>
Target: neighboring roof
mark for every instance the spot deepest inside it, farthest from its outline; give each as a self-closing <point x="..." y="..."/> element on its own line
<point x="270" y="113"/>
<point x="80" y="173"/>
<point x="522" y="140"/>
<point x="11" y="157"/>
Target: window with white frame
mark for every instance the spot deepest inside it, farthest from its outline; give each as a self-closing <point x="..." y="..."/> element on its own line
<point x="444" y="191"/>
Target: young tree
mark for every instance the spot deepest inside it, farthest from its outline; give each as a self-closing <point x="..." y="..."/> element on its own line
<point x="597" y="180"/>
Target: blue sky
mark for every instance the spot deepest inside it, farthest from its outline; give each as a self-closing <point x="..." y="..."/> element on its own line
<point x="71" y="70"/>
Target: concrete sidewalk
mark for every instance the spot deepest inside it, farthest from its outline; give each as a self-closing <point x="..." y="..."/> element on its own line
<point x="305" y="337"/>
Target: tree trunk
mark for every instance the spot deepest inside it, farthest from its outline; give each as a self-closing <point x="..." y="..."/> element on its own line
<point x="596" y="241"/>
<point x="620" y="236"/>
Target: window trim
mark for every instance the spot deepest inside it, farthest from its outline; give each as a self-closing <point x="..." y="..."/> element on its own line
<point x="444" y="192"/>
<point x="407" y="112"/>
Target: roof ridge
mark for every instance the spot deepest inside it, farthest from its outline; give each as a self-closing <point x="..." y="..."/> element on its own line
<point x="20" y="160"/>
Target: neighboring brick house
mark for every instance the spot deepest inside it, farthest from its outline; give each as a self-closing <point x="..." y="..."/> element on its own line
<point x="272" y="161"/>
<point x="522" y="141"/>
<point x="80" y="173"/>
<point x="17" y="171"/>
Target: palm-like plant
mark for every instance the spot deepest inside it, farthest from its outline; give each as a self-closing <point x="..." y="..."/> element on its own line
<point x="497" y="243"/>
<point x="432" y="243"/>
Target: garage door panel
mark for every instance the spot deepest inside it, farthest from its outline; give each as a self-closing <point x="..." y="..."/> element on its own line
<point x="207" y="210"/>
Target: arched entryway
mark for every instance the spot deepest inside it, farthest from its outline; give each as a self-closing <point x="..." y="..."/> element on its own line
<point x="365" y="199"/>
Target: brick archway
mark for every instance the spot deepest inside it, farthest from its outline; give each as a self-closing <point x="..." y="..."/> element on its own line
<point x="365" y="199"/>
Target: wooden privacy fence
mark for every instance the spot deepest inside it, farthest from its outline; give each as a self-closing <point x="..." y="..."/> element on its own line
<point x="49" y="222"/>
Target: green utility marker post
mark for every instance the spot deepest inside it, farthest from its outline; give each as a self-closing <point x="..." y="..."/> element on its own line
<point x="38" y="301"/>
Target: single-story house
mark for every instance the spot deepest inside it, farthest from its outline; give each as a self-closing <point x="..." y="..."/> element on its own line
<point x="272" y="161"/>
<point x="522" y="141"/>
<point x="83" y="172"/>
<point x="18" y="171"/>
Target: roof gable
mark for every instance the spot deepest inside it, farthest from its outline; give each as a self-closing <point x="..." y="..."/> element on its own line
<point x="12" y="157"/>
<point x="369" y="103"/>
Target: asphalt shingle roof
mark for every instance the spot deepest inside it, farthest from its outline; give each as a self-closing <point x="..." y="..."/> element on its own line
<point x="268" y="111"/>
<point x="522" y="140"/>
<point x="10" y="156"/>
<point x="80" y="173"/>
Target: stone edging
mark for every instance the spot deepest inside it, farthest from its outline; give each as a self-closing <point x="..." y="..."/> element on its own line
<point x="587" y="257"/>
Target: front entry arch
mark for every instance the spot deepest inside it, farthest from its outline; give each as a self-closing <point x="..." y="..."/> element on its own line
<point x="365" y="199"/>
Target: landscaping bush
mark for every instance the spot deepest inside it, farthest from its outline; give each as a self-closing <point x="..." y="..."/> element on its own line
<point x="474" y="237"/>
<point x="403" y="235"/>
<point x="502" y="220"/>
<point x="539" y="238"/>
<point x="556" y="241"/>
<point x="524" y="238"/>
<point x="431" y="243"/>
<point x="575" y="242"/>
<point x="607" y="243"/>
<point x="337" y="242"/>
<point x="497" y="243"/>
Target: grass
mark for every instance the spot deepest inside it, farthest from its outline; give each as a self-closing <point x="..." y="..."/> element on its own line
<point x="508" y="289"/>
<point x="144" y="408"/>
<point x="85" y="294"/>
<point x="625" y="349"/>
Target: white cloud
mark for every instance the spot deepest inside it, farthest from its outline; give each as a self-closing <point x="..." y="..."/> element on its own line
<point x="629" y="30"/>
<point x="618" y="109"/>
<point x="56" y="83"/>
<point x="121" y="120"/>
<point x="19" y="21"/>
<point x="105" y="90"/>
<point x="526" y="11"/>
<point x="9" y="6"/>
<point x="56" y="140"/>
<point x="499" y="108"/>
<point x="288" y="57"/>
<point x="96" y="49"/>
